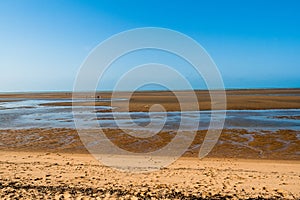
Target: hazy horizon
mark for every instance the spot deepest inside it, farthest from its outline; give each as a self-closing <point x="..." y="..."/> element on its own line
<point x="146" y="90"/>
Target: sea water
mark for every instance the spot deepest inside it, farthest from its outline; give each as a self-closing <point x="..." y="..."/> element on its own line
<point x="31" y="113"/>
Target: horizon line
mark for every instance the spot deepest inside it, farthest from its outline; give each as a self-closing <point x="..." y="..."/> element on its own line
<point x="147" y="90"/>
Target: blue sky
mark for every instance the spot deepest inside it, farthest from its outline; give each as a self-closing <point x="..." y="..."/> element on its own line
<point x="255" y="44"/>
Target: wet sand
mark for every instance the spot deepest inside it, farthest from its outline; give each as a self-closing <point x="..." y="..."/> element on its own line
<point x="142" y="101"/>
<point x="52" y="163"/>
<point x="233" y="143"/>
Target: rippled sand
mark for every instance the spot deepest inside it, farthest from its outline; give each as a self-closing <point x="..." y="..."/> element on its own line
<point x="233" y="143"/>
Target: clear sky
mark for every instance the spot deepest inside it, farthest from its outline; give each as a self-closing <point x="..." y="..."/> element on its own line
<point x="255" y="44"/>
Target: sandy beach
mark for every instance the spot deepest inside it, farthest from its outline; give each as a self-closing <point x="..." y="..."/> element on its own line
<point x="38" y="175"/>
<point x="52" y="163"/>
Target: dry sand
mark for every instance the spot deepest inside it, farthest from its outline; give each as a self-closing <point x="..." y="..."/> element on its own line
<point x="69" y="176"/>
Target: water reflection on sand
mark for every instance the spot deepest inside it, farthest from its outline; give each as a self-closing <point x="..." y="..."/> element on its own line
<point x="29" y="113"/>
